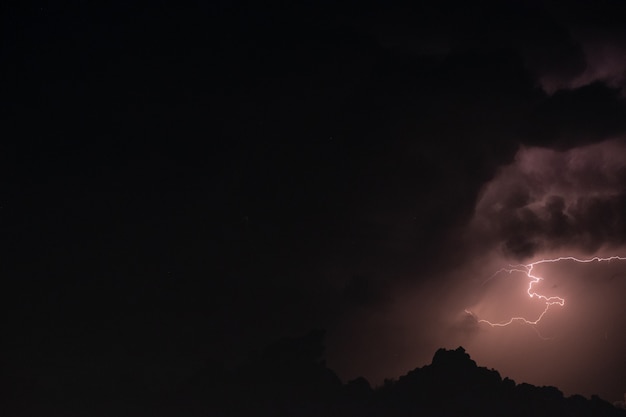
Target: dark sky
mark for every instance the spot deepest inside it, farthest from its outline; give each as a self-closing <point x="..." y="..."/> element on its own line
<point x="182" y="184"/>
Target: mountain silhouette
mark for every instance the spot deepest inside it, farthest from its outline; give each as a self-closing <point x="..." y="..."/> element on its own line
<point x="290" y="378"/>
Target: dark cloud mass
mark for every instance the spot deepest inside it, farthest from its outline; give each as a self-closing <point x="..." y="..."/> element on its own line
<point x="548" y="199"/>
<point x="183" y="185"/>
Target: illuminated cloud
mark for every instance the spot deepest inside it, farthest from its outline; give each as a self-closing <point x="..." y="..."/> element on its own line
<point x="549" y="199"/>
<point x="545" y="204"/>
<point x="601" y="63"/>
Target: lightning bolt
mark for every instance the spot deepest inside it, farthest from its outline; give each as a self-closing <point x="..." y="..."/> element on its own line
<point x="527" y="269"/>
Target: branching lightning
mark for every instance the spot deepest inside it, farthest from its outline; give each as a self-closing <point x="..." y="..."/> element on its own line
<point x="527" y="270"/>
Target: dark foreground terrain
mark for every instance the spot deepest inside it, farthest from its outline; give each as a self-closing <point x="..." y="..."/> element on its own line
<point x="290" y="378"/>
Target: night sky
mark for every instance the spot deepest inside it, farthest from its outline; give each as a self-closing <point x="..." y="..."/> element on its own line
<point x="181" y="185"/>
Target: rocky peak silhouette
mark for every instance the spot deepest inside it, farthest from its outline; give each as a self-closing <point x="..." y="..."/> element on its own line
<point x="290" y="378"/>
<point x="450" y="359"/>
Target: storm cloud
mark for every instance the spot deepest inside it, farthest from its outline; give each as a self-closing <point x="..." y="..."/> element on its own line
<point x="548" y="199"/>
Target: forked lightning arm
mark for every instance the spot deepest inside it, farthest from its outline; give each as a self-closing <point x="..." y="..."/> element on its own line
<point x="549" y="301"/>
